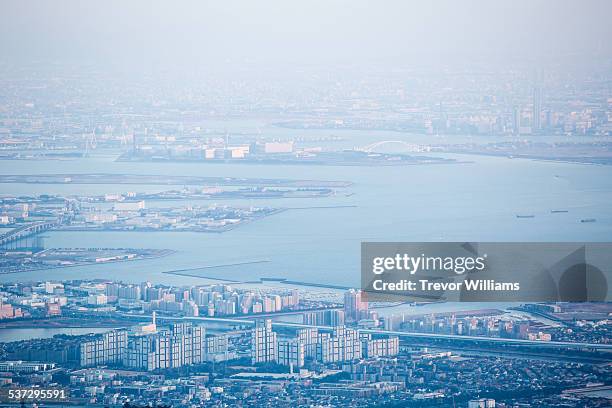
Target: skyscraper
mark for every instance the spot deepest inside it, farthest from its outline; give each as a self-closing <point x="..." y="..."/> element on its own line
<point x="309" y="337"/>
<point x="182" y="345"/>
<point x="324" y="318"/>
<point x="342" y="344"/>
<point x="291" y="353"/>
<point x="106" y="348"/>
<point x="263" y="342"/>
<point x="355" y="306"/>
<point x="536" y="109"/>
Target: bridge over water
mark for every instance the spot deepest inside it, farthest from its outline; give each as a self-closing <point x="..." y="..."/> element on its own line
<point x="25" y="231"/>
<point x="409" y="147"/>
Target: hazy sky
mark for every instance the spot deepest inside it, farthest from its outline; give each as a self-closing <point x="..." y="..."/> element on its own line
<point x="194" y="32"/>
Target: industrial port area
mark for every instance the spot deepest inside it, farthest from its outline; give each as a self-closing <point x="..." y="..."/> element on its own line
<point x="24" y="218"/>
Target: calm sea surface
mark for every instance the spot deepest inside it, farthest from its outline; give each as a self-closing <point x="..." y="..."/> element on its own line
<point x="475" y="201"/>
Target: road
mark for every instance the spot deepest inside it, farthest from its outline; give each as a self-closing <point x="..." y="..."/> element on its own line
<point x="475" y="340"/>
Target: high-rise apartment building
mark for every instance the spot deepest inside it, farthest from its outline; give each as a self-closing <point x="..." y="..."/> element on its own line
<point x="103" y="349"/>
<point x="291" y="353"/>
<point x="263" y="342"/>
<point x="183" y="344"/>
<point x="309" y="337"/>
<point x="355" y="306"/>
<point x="331" y="318"/>
<point x="342" y="344"/>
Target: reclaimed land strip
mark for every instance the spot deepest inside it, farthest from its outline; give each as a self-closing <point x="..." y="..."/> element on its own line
<point x="69" y="322"/>
<point x="158" y="254"/>
<point x="188" y="271"/>
<point x="307" y="162"/>
<point x="320" y="207"/>
<point x="315" y="285"/>
<point x="601" y="160"/>
<point x="196" y="229"/>
<point x="108" y="178"/>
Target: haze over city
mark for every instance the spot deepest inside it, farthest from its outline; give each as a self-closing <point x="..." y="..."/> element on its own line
<point x="197" y="199"/>
<point x="231" y="33"/>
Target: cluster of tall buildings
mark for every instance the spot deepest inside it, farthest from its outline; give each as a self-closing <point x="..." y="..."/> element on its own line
<point x="180" y="345"/>
<point x="215" y="300"/>
<point x="355" y="310"/>
<point x="355" y="305"/>
<point x="325" y="346"/>
<point x="488" y="325"/>
<point x="150" y="349"/>
<point x="105" y="349"/>
<point x="330" y="317"/>
<point x="192" y="301"/>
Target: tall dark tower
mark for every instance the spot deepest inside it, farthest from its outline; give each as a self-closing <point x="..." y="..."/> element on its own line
<point x="536" y="122"/>
<point x="537" y="108"/>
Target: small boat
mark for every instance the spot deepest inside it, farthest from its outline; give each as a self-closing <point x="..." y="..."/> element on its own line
<point x="525" y="216"/>
<point x="588" y="220"/>
<point x="558" y="211"/>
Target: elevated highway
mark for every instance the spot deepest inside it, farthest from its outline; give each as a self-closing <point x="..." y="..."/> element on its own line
<point x="25" y="231"/>
<point x="432" y="338"/>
